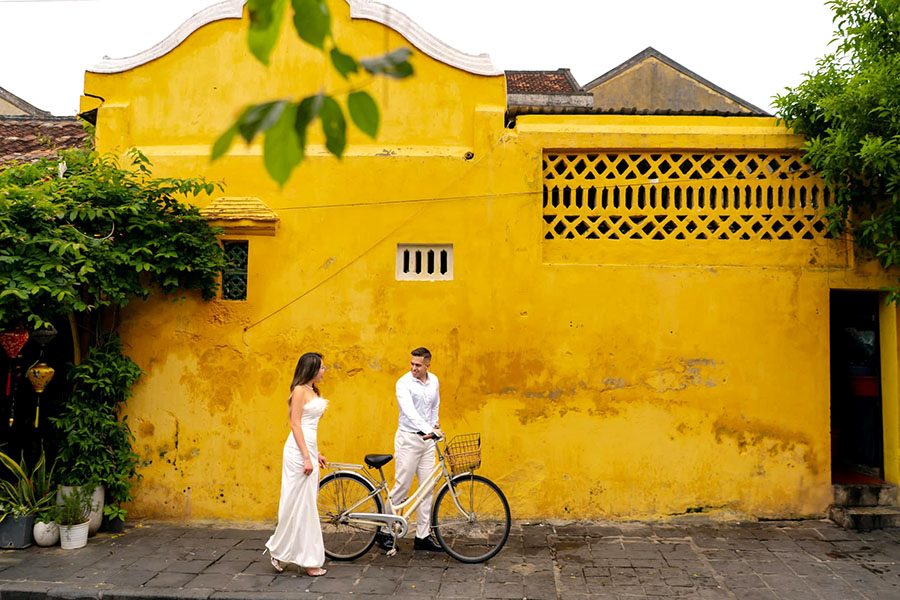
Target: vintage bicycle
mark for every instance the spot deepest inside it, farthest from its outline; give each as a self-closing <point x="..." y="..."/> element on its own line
<point x="469" y="518"/>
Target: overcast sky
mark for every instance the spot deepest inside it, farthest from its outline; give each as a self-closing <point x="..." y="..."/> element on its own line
<point x="752" y="49"/>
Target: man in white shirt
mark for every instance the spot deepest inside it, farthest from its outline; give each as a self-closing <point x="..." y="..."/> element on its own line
<point x="419" y="398"/>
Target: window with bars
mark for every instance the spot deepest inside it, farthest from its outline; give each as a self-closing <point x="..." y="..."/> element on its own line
<point x="234" y="276"/>
<point x="682" y="196"/>
<point x="424" y="262"/>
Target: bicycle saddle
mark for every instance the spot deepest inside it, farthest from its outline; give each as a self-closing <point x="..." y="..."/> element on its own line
<point x="378" y="460"/>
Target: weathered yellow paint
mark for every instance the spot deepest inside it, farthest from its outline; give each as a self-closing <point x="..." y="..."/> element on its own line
<point x="632" y="389"/>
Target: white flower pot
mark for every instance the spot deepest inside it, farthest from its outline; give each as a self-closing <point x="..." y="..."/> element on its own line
<point x="73" y="536"/>
<point x="46" y="534"/>
<point x="96" y="505"/>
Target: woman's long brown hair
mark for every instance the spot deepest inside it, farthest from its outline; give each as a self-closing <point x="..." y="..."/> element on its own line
<point x="307" y="368"/>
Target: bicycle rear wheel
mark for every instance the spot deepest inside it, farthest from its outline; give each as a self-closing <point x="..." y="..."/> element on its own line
<point x="478" y="531"/>
<point x="339" y="494"/>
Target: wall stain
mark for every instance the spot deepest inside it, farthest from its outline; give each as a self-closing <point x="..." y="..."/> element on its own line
<point x="772" y="439"/>
<point x="678" y="375"/>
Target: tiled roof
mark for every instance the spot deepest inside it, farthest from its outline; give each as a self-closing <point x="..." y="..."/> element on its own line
<point x="238" y="209"/>
<point x="26" y="139"/>
<point x="559" y="81"/>
<point x="21" y="104"/>
<point x="729" y="104"/>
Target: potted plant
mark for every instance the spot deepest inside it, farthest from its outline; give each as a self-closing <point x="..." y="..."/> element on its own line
<point x="114" y="518"/>
<point x="46" y="529"/>
<point x="96" y="442"/>
<point x="73" y="515"/>
<point x="29" y="491"/>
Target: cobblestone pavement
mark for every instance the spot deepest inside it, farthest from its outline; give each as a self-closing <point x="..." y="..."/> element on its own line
<point x="789" y="560"/>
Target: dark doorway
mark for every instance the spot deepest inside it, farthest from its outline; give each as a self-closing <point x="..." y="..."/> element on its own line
<point x="856" y="423"/>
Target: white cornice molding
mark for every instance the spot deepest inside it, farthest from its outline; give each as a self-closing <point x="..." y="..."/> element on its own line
<point x="479" y="64"/>
<point x="227" y="9"/>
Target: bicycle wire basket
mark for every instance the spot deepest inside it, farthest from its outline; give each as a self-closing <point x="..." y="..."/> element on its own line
<point x="464" y="453"/>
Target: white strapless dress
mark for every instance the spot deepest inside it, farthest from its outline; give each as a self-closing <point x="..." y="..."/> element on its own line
<point x="298" y="535"/>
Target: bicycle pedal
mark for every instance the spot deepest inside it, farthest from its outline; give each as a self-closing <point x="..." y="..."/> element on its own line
<point x="391" y="552"/>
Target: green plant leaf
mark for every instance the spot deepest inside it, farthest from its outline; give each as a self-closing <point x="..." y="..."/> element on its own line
<point x="281" y="150"/>
<point x="394" y="64"/>
<point x="266" y="17"/>
<point x="343" y="63"/>
<point x="258" y="118"/>
<point x="334" y="126"/>
<point x="220" y="148"/>
<point x="307" y="111"/>
<point x="312" y="20"/>
<point x="364" y="112"/>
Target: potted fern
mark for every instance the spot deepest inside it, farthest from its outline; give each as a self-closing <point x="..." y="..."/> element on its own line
<point x="73" y="516"/>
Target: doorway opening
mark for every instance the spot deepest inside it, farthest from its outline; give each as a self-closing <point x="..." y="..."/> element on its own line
<point x="857" y="450"/>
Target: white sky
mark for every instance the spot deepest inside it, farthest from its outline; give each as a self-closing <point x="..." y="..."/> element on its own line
<point x="752" y="49"/>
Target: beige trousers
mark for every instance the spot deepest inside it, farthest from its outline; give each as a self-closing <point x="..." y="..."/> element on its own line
<point x="414" y="456"/>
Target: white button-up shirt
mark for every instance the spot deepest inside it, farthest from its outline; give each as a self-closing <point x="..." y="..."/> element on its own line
<point x="419" y="402"/>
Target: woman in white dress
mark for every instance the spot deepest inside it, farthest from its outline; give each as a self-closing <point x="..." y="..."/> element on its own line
<point x="298" y="535"/>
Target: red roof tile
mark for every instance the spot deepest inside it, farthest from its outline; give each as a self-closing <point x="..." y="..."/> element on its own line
<point x="26" y="139"/>
<point x="541" y="82"/>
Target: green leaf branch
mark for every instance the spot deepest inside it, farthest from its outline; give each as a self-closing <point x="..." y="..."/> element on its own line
<point x="285" y="123"/>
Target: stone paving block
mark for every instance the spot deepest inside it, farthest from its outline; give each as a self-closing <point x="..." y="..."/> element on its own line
<point x="504" y="590"/>
<point x="156" y="594"/>
<point x="461" y="589"/>
<point x="263" y="595"/>
<point x="242" y="554"/>
<point x="70" y="592"/>
<point x="228" y="566"/>
<point x="436" y="573"/>
<point x="169" y="580"/>
<point x="187" y="566"/>
<point x="247" y="583"/>
<point x="419" y="588"/>
<point x="332" y="585"/>
<point x="375" y="586"/>
<point x="755" y="594"/>
<point x="742" y="582"/>
<point x="130" y="578"/>
<point x="599" y="585"/>
<point x="771" y="567"/>
<point x="213" y="581"/>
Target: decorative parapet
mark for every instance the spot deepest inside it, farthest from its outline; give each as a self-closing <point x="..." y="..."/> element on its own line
<point x="228" y="9"/>
<point x="241" y="216"/>
<point x="479" y="64"/>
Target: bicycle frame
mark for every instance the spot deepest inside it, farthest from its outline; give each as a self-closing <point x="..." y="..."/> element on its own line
<point x="399" y="513"/>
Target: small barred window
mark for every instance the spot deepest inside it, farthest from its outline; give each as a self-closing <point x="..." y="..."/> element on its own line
<point x="234" y="277"/>
<point x="430" y="262"/>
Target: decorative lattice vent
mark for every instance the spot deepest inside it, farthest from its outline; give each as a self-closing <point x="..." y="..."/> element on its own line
<point x="682" y="196"/>
<point x="234" y="277"/>
<point x="425" y="262"/>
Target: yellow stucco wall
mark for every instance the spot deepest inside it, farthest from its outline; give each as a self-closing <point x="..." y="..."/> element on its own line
<point x="605" y="385"/>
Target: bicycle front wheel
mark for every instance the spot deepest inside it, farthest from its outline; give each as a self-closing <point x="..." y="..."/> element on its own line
<point x="471" y="518"/>
<point x="340" y="494"/>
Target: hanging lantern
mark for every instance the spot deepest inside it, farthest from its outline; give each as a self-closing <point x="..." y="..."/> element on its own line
<point x="43" y="336"/>
<point x="39" y="375"/>
<point x="13" y="341"/>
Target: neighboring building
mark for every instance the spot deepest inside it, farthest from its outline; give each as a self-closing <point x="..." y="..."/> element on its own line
<point x="28" y="133"/>
<point x="651" y="83"/>
<point x="643" y="314"/>
<point x="543" y="90"/>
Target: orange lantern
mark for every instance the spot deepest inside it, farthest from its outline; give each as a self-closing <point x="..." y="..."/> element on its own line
<point x="39" y="375"/>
